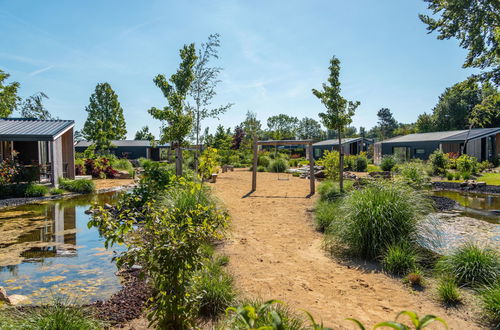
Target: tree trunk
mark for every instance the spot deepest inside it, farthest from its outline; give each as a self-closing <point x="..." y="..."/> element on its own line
<point x="196" y="150"/>
<point x="341" y="163"/>
<point x="464" y="148"/>
<point x="178" y="160"/>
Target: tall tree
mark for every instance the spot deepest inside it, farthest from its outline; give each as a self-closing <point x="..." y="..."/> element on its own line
<point x="309" y="128"/>
<point x="362" y="131"/>
<point x="144" y="134"/>
<point x="105" y="121"/>
<point x="33" y="107"/>
<point x="251" y="125"/>
<point x="475" y="23"/>
<point x="177" y="117"/>
<point x="425" y="123"/>
<point x="339" y="111"/>
<point x="386" y="123"/>
<point x="202" y="89"/>
<point x="238" y="137"/>
<point x="8" y="95"/>
<point x="282" y="126"/>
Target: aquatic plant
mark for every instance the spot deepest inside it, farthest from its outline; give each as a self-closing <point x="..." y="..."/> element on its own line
<point x="400" y="258"/>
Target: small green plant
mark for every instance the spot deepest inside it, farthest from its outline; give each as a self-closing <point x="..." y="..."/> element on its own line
<point x="261" y="168"/>
<point x="36" y="190"/>
<point x="414" y="173"/>
<point x="490" y="299"/>
<point x="449" y="176"/>
<point x="388" y="162"/>
<point x="448" y="291"/>
<point x="122" y="164"/>
<point x="330" y="161"/>
<point x="324" y="213"/>
<point x="56" y="191"/>
<point x="278" y="165"/>
<point x="471" y="265"/>
<point x="418" y="323"/>
<point x="399" y="258"/>
<point x="82" y="186"/>
<point x="466" y="175"/>
<point x="467" y="164"/>
<point x="439" y="162"/>
<point x="457" y="176"/>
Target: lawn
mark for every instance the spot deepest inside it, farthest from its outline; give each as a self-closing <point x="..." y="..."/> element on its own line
<point x="490" y="178"/>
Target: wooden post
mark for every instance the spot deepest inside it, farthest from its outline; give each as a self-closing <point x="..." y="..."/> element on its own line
<point x="311" y="170"/>
<point x="255" y="161"/>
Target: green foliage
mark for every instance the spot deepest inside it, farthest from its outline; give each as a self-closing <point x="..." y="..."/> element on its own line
<point x="467" y="164"/>
<point x="32" y="107"/>
<point x="8" y="95"/>
<point x="143" y="162"/>
<point x="263" y="160"/>
<point x="331" y="161"/>
<point x="439" y="162"/>
<point x="399" y="258"/>
<point x="282" y="126"/>
<point x="82" y="186"/>
<point x="105" y="121"/>
<point x="414" y="173"/>
<point x="144" y="134"/>
<point x="324" y="213"/>
<point x="381" y="214"/>
<point x="36" y="190"/>
<point x="386" y="124"/>
<point x="471" y="265"/>
<point x="208" y="163"/>
<point x="309" y="128"/>
<point x="278" y="165"/>
<point x="449" y="176"/>
<point x="418" y="323"/>
<point x="215" y="287"/>
<point x="448" y="291"/>
<point x="388" y="162"/>
<point x="56" y="191"/>
<point x="261" y="168"/>
<point x="457" y="176"/>
<point x="122" y="164"/>
<point x="466" y="176"/>
<point x="490" y="299"/>
<point x="361" y="164"/>
<point x="484" y="165"/>
<point x="330" y="191"/>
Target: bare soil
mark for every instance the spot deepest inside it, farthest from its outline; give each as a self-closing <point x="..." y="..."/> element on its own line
<point x="275" y="253"/>
<point x="111" y="183"/>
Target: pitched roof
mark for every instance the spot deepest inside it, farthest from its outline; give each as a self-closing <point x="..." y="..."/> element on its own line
<point x="334" y="142"/>
<point x="124" y="143"/>
<point x="25" y="129"/>
<point x="447" y="136"/>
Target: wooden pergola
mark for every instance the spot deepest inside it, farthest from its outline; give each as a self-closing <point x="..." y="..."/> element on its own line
<point x="283" y="143"/>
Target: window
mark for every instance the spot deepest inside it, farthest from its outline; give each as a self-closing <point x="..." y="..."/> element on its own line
<point x="401" y="153"/>
<point x="420" y="151"/>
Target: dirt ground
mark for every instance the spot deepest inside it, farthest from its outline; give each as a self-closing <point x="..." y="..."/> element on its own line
<point x="111" y="183"/>
<point x="276" y="253"/>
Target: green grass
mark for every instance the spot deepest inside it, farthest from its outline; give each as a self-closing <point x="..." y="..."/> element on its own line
<point x="374" y="168"/>
<point x="278" y="165"/>
<point x="36" y="190"/>
<point x="82" y="186"/>
<point x="490" y="299"/>
<point x="490" y="178"/>
<point x="471" y="265"/>
<point x="324" y="213"/>
<point x="399" y="259"/>
<point x="56" y="191"/>
<point x="329" y="190"/>
<point x="448" y="292"/>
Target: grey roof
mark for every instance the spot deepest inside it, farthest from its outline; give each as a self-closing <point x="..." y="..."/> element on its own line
<point x="334" y="142"/>
<point x="447" y="136"/>
<point x="24" y="129"/>
<point x="125" y="143"/>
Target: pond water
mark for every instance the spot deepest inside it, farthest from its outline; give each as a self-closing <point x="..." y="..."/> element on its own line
<point x="47" y="249"/>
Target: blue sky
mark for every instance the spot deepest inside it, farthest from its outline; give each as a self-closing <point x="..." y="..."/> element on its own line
<point x="273" y="53"/>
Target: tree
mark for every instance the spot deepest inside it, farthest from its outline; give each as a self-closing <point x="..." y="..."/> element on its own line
<point x="425" y="123"/>
<point x="238" y="137"/>
<point x="105" y="121"/>
<point x="475" y="24"/>
<point x="386" y="123"/>
<point x="33" y="107"/>
<point x="8" y="95"/>
<point x="282" y="127"/>
<point x="251" y="125"/>
<point x="404" y="129"/>
<point x="177" y="116"/>
<point x="349" y="132"/>
<point x="339" y="111"/>
<point x="203" y="87"/>
<point x="309" y="128"/>
<point x="144" y="134"/>
<point x="362" y="131"/>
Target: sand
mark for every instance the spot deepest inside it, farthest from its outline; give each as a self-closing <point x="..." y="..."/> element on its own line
<point x="276" y="253"/>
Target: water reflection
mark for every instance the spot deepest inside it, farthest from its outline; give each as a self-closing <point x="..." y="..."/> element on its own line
<point x="47" y="249"/>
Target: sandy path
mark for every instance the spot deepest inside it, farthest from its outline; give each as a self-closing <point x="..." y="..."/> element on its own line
<point x="276" y="253"/>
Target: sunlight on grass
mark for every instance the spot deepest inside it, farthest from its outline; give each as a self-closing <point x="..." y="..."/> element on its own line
<point x="490" y="178"/>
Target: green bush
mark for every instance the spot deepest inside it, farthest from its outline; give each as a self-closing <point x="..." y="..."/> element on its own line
<point x="278" y="165"/>
<point x="471" y="265"/>
<point x="457" y="176"/>
<point x="261" y="168"/>
<point x="263" y="160"/>
<point x="56" y="191"/>
<point x="215" y="288"/>
<point x="449" y="176"/>
<point x="361" y="164"/>
<point x="36" y="190"/>
<point x="330" y="190"/>
<point x="381" y="214"/>
<point x="324" y="213"/>
<point x="448" y="291"/>
<point x="388" y="162"/>
<point x="467" y="164"/>
<point x="414" y="173"/>
<point x="82" y="186"/>
<point x="399" y="259"/>
<point x="143" y="162"/>
<point x="484" y="165"/>
<point x="466" y="175"/>
<point x="439" y="162"/>
<point x="122" y="164"/>
<point x="490" y="299"/>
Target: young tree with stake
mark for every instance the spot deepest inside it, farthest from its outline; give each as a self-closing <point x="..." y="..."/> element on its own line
<point x="339" y="111"/>
<point x="177" y="116"/>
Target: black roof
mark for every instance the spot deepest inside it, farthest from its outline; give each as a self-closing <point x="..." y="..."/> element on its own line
<point x="124" y="143"/>
<point x="446" y="136"/>
<point x="25" y="129"/>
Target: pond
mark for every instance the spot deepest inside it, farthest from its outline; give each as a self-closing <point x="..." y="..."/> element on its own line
<point x="47" y="250"/>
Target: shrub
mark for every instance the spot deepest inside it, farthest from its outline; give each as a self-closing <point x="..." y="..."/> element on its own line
<point x="457" y="176"/>
<point x="278" y="165"/>
<point x="399" y="259"/>
<point x="448" y="291"/>
<point x="470" y="265"/>
<point x="414" y="174"/>
<point x="261" y="168"/>
<point x="490" y="299"/>
<point x="56" y="191"/>
<point x="36" y="190"/>
<point x="331" y="161"/>
<point x="82" y="186"/>
<point x="415" y="278"/>
<point x="263" y="160"/>
<point x="484" y="165"/>
<point x="215" y="288"/>
<point x="324" y="213"/>
<point x="330" y="190"/>
<point x="439" y="162"/>
<point x="8" y="170"/>
<point x="361" y="164"/>
<point x="122" y="165"/>
<point x="449" y="176"/>
<point x="208" y="163"/>
<point x="466" y="175"/>
<point x="377" y="216"/>
<point x="388" y="162"/>
<point x="467" y="164"/>
<point x="143" y="162"/>
<point x="350" y="162"/>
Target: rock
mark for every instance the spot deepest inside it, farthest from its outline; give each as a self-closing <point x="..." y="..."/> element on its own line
<point x="123" y="175"/>
<point x="3" y="295"/>
<point x="107" y="206"/>
<point x="320" y="174"/>
<point x="17" y="299"/>
<point x="480" y="184"/>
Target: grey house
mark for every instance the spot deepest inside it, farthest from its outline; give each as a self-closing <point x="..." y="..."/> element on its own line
<point x="44" y="144"/>
<point x="350" y="146"/>
<point x="130" y="149"/>
<point x="483" y="143"/>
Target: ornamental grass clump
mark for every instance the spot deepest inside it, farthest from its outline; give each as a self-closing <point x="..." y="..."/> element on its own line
<point x="448" y="291"/>
<point x="471" y="265"/>
<point x="377" y="216"/>
<point x="278" y="165"/>
<point x="490" y="300"/>
<point x="400" y="258"/>
<point x="324" y="213"/>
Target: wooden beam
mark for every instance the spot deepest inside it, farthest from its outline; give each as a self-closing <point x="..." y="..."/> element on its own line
<point x="284" y="142"/>
<point x="311" y="171"/>
<point x="255" y="161"/>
